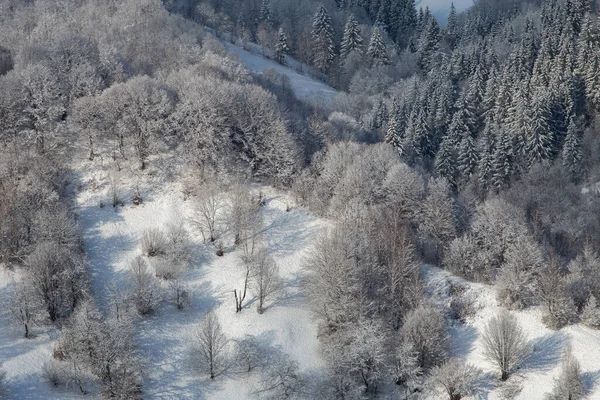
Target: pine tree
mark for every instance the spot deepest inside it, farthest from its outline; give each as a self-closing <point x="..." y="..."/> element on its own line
<point x="445" y="162"/>
<point x="486" y="166"/>
<point x="538" y="136"/>
<point x="352" y="39"/>
<point x="452" y="29"/>
<point x="467" y="156"/>
<point x="396" y="127"/>
<point x="322" y="35"/>
<point x="571" y="155"/>
<point x="377" y="51"/>
<point x="429" y="42"/>
<point x="380" y="115"/>
<point x="502" y="162"/>
<point x="265" y="12"/>
<point x="281" y="48"/>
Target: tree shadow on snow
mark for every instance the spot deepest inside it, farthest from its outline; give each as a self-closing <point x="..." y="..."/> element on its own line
<point x="463" y="339"/>
<point x="546" y="352"/>
<point x="590" y="380"/>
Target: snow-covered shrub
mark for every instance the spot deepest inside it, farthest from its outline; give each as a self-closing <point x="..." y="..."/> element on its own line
<point x="168" y="268"/>
<point x="425" y="330"/>
<point x="144" y="289"/>
<point x="462" y="303"/>
<point x="64" y="374"/>
<point x="154" y="242"/>
<point x="456" y="378"/>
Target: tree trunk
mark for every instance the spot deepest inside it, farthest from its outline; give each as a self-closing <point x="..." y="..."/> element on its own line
<point x="504" y="376"/>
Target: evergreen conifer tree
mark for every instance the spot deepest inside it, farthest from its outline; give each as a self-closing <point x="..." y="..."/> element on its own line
<point x="281" y="48"/>
<point x="571" y="154"/>
<point x="322" y="35"/>
<point x="352" y="39"/>
<point x="377" y="51"/>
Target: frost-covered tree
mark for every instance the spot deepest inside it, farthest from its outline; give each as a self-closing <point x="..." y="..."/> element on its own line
<point x="352" y="39"/>
<point x="571" y="153"/>
<point x="456" y="378"/>
<point x="22" y="307"/>
<point x="265" y="280"/>
<point x="516" y="278"/>
<point x="210" y="346"/>
<point x="377" y="51"/>
<point x="436" y="221"/>
<point x="208" y="206"/>
<point x="281" y="379"/>
<point x="406" y="370"/>
<point x="250" y="354"/>
<point x="425" y="330"/>
<point x="504" y="343"/>
<point x="569" y="384"/>
<point x="591" y="313"/>
<point x="322" y="37"/>
<point x="281" y="47"/>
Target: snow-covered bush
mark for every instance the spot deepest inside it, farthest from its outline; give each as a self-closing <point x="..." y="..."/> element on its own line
<point x="144" y="290"/>
<point x="516" y="279"/>
<point x="456" y="378"/>
<point x="153" y="242"/>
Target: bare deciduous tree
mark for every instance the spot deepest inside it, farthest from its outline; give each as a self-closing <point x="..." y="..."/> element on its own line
<point x="21" y="306"/>
<point x="210" y="347"/>
<point x="180" y="294"/>
<point x="266" y="282"/>
<point x="208" y="206"/>
<point x="250" y="354"/>
<point x="504" y="343"/>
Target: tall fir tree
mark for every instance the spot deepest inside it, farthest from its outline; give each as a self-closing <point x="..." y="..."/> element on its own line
<point x="265" y="13"/>
<point x="451" y="32"/>
<point x="281" y="47"/>
<point x="429" y="43"/>
<point x="538" y="135"/>
<point x="445" y="162"/>
<point x="352" y="39"/>
<point x="377" y="51"/>
<point x="571" y="153"/>
<point x="322" y="35"/>
<point x="503" y="161"/>
<point x="468" y="157"/>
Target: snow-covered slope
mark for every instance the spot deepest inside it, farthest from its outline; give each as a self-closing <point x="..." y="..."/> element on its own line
<point x="536" y="375"/>
<point x="112" y="240"/>
<point x="305" y="87"/>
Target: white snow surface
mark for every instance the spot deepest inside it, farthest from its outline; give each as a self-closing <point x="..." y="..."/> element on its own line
<point x="305" y="87"/>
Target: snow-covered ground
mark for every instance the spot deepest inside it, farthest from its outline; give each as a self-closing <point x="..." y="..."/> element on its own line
<point x="536" y="375"/>
<point x="305" y="87"/>
<point x="111" y="240"/>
